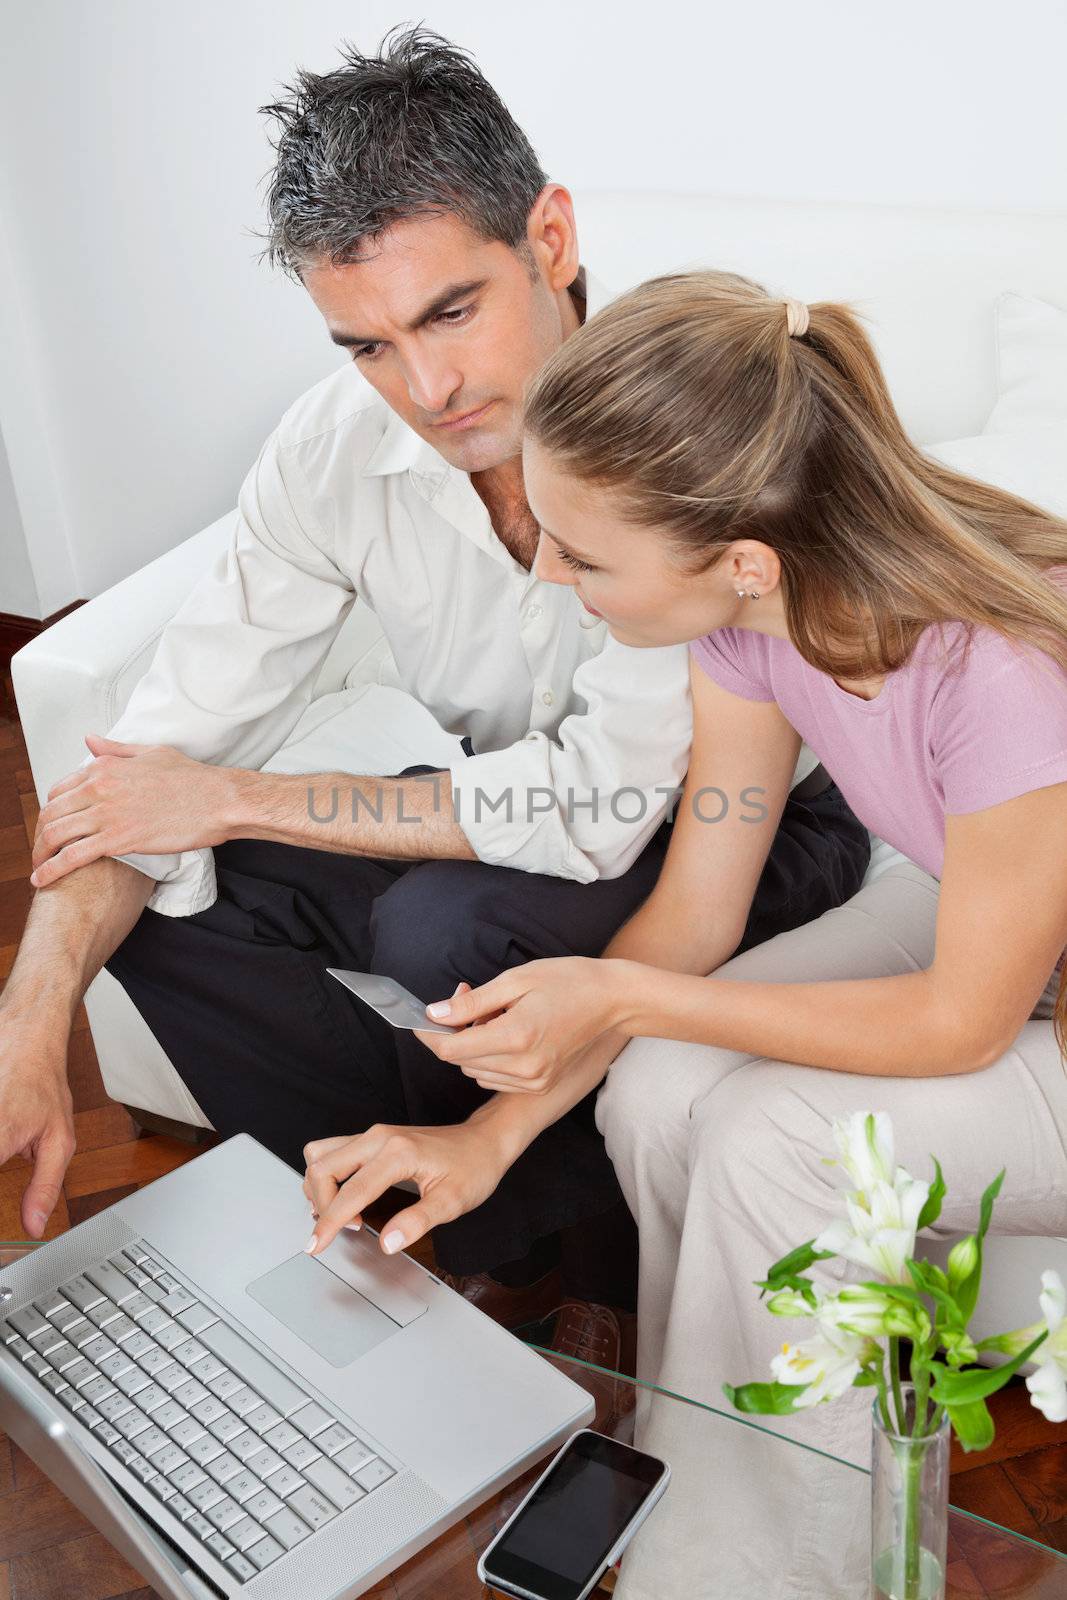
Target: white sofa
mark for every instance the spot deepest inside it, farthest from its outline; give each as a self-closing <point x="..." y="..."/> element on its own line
<point x="926" y="279"/>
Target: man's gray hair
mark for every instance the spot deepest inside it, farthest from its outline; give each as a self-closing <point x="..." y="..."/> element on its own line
<point x="414" y="130"/>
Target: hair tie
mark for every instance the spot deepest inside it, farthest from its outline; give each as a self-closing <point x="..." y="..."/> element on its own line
<point x="796" y="318"/>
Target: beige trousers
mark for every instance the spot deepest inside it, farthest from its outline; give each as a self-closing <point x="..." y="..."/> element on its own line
<point x="721" y="1157"/>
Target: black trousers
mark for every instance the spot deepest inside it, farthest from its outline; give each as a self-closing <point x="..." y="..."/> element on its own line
<point x="269" y="1044"/>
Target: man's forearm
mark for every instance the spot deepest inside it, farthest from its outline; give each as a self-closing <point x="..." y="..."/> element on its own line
<point x="399" y="818"/>
<point x="73" y="927"/>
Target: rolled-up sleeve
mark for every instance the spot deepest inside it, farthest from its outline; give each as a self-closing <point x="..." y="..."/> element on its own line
<point x="236" y="665"/>
<point x="584" y="803"/>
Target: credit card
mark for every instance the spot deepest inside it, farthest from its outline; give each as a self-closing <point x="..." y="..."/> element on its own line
<point x="390" y="999"/>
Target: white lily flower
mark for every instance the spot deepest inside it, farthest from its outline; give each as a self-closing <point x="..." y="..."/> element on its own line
<point x="870" y="1314"/>
<point x="884" y="1209"/>
<point x="865" y="1143"/>
<point x="828" y="1364"/>
<point x="1048" y="1385"/>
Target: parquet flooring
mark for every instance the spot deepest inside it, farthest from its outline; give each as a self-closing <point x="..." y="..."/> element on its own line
<point x="47" y="1549"/>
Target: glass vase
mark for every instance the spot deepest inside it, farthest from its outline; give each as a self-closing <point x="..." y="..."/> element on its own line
<point x="909" y="1507"/>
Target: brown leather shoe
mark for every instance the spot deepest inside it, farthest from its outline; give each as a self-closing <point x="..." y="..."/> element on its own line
<point x="605" y="1337"/>
<point x="512" y="1308"/>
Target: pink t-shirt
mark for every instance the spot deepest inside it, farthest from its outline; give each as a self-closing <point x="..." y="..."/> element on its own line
<point x="942" y="737"/>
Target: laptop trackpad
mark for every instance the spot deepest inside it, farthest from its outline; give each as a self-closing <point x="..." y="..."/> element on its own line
<point x="333" y="1318"/>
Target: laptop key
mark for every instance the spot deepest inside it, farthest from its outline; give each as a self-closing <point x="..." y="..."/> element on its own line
<point x="125" y="1452"/>
<point x="142" y="1469"/>
<point x="220" y="1546"/>
<point x="208" y="1367"/>
<point x="103" y="1314"/>
<point x="111" y="1366"/>
<point x="28" y="1322"/>
<point x="355" y="1456"/>
<point x="131" y="1423"/>
<point x="110" y="1281"/>
<point x="53" y="1382"/>
<point x="46" y="1339"/>
<point x="334" y="1483"/>
<point x="89" y="1417"/>
<point x="225" y="1386"/>
<point x="49" y="1305"/>
<point x="185" y="1431"/>
<point x="200" y="1525"/>
<point x="312" y="1419"/>
<point x="139" y="1306"/>
<point x="171" y="1334"/>
<point x="19" y="1347"/>
<point x="287" y="1528"/>
<point x="81" y="1373"/>
<point x="189" y="1352"/>
<point x="245" y="1445"/>
<point x="282" y="1437"/>
<point x="98" y="1389"/>
<point x="227" y="1427"/>
<point x="139" y="1344"/>
<point x="241" y="1567"/>
<point x="224" y="1467"/>
<point x="70" y="1398"/>
<point x="172" y="1377"/>
<point x="169" y="1460"/>
<point x="334" y="1439"/>
<point x="266" y="1551"/>
<point x="187" y="1478"/>
<point x="374" y="1473"/>
<point x="151" y="1442"/>
<point x="196" y="1317"/>
<point x="245" y="1533"/>
<point x="301" y="1454"/>
<point x="111" y="1436"/>
<point x="69" y="1319"/>
<point x="284" y="1481"/>
<point x="182" y="1507"/>
<point x="263" y="1419"/>
<point x="203" y="1495"/>
<point x="313" y="1506"/>
<point x="37" y="1364"/>
<point x="191" y="1393"/>
<point x="205" y="1449"/>
<point x="155" y="1319"/>
<point x="263" y="1505"/>
<point x="224" y="1513"/>
<point x="244" y="1401"/>
<point x="162" y="1488"/>
<point x="154" y="1360"/>
<point x="132" y="1381"/>
<point x="155" y="1399"/>
<point x="113" y="1406"/>
<point x="176" y="1299"/>
<point x="265" y="1462"/>
<point x="209" y="1410"/>
<point x="244" y="1486"/>
<point x="80" y="1292"/>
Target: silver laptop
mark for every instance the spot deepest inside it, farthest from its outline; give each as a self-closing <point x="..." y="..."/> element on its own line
<point x="241" y="1419"/>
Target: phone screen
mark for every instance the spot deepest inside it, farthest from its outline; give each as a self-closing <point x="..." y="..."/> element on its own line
<point x="564" y="1534"/>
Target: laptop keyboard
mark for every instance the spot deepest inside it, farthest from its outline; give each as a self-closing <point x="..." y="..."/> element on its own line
<point x="231" y="1445"/>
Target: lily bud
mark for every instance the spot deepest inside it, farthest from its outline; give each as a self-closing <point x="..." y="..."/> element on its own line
<point x="962" y="1260"/>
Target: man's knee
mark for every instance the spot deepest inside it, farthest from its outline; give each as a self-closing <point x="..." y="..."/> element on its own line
<point x="440" y="922"/>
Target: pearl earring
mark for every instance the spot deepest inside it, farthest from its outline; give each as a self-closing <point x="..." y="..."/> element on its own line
<point x="740" y="594"/>
<point x="753" y="595"/>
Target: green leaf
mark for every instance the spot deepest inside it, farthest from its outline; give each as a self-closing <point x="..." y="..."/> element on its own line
<point x="765" y="1399"/>
<point x="932" y="1281"/>
<point x="977" y="1383"/>
<point x="973" y="1425"/>
<point x="802" y="1286"/>
<point x="784" y="1272"/>
<point x="967" y="1293"/>
<point x="932" y="1209"/>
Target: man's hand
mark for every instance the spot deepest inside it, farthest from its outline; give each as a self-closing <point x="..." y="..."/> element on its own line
<point x="133" y="799"/>
<point x="36" y="1114"/>
<point x="532" y="1022"/>
<point x="456" y="1168"/>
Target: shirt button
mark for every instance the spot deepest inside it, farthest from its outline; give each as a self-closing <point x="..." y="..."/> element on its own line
<point x="548" y="697"/>
<point x="534" y="611"/>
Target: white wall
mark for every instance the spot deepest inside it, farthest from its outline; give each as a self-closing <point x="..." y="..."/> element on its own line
<point x="146" y="353"/>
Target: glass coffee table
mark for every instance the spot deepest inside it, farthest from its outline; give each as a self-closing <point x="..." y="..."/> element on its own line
<point x="986" y="1562"/>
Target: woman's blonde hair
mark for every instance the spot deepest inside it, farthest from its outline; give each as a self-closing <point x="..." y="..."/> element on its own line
<point x="690" y="398"/>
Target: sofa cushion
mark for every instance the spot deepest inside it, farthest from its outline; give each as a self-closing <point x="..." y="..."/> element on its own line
<point x="1031" y="345"/>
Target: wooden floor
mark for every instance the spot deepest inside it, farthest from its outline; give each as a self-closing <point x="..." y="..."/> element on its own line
<point x="49" y="1552"/>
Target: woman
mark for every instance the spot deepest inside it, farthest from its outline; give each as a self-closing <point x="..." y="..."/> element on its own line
<point x="709" y="463"/>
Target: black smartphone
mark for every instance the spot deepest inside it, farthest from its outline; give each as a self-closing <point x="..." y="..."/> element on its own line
<point x="576" y="1520"/>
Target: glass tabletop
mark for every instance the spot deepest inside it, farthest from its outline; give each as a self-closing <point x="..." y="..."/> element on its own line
<point x="729" y="1513"/>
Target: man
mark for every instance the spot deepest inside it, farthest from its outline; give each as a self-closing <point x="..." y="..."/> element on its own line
<point x="414" y="212"/>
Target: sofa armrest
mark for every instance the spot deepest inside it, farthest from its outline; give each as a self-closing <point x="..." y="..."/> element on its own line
<point x="76" y="677"/>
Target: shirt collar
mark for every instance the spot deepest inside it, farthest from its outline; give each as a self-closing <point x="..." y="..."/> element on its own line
<point x="401" y="449"/>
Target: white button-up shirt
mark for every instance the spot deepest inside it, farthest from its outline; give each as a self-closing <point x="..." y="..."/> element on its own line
<point x="346" y="504"/>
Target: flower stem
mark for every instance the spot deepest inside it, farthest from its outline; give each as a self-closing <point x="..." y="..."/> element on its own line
<point x="898" y="1398"/>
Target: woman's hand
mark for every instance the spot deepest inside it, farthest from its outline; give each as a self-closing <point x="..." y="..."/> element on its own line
<point x="532" y="1022"/>
<point x="456" y="1168"/>
<point x="133" y="798"/>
